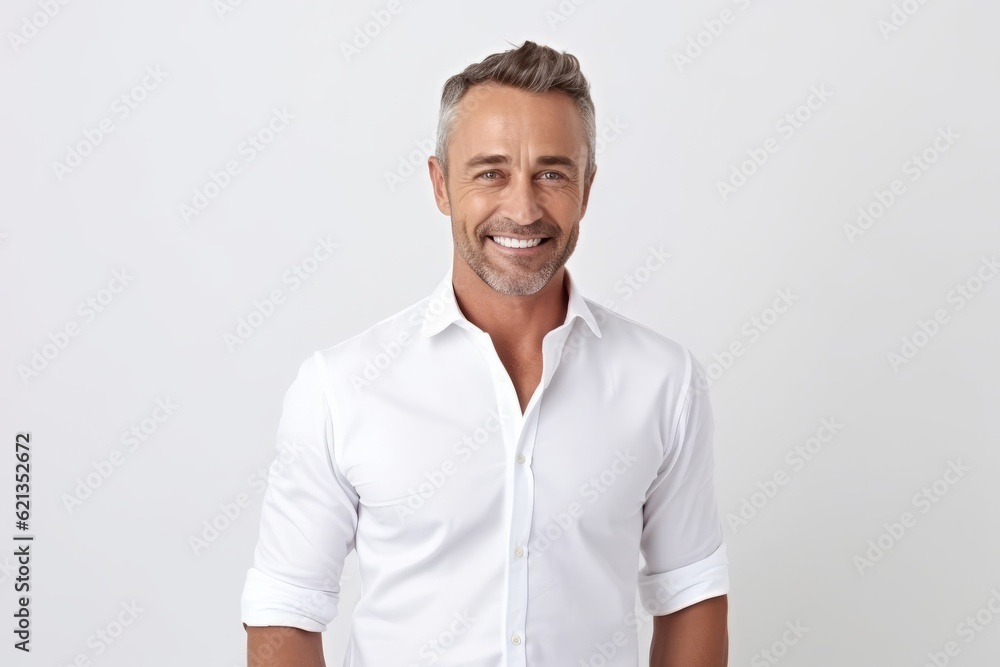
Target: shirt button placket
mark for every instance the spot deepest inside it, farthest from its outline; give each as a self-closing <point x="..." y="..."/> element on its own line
<point x="522" y="498"/>
<point x="522" y="493"/>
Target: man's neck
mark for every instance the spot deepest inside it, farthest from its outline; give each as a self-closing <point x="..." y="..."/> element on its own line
<point x="518" y="323"/>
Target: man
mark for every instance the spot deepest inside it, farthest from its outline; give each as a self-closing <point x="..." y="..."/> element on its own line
<point x="501" y="452"/>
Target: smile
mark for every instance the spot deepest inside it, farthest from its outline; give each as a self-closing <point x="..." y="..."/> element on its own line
<point x="509" y="242"/>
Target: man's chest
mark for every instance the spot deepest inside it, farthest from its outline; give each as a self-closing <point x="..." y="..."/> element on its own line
<point x="465" y="450"/>
<point x="525" y="373"/>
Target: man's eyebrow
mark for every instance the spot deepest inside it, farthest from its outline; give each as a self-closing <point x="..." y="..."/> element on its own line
<point x="483" y="160"/>
<point x="496" y="159"/>
<point x="558" y="161"/>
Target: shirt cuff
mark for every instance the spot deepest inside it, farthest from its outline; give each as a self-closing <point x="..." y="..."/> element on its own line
<point x="270" y="601"/>
<point x="667" y="592"/>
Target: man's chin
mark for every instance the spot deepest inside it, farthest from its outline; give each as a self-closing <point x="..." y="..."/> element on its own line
<point x="514" y="282"/>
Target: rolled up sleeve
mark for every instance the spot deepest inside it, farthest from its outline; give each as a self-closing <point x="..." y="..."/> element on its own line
<point x="682" y="539"/>
<point x="308" y="518"/>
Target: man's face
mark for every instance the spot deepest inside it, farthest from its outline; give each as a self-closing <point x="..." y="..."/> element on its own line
<point x="516" y="163"/>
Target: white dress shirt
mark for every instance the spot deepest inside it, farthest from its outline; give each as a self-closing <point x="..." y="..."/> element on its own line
<point x="484" y="536"/>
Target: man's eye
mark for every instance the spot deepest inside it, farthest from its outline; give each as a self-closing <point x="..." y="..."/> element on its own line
<point x="487" y="174"/>
<point x="552" y="173"/>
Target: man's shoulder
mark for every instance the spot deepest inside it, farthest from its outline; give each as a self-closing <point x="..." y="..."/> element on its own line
<point x="401" y="329"/>
<point x="404" y="323"/>
<point x="640" y="342"/>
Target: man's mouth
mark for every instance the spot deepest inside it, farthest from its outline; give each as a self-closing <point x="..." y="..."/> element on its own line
<point x="513" y="242"/>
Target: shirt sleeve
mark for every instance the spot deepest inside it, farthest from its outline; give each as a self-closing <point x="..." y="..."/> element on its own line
<point x="308" y="519"/>
<point x="682" y="540"/>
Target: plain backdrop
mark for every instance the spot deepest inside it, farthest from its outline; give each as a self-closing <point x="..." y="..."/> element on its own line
<point x="822" y="175"/>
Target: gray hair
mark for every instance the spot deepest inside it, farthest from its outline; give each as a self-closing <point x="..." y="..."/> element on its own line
<point x="530" y="67"/>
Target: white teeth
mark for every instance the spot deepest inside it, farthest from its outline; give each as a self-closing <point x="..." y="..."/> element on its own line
<point x="516" y="243"/>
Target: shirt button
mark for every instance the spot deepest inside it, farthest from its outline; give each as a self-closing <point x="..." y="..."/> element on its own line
<point x="520" y="458"/>
<point x="516" y="639"/>
<point x="518" y="551"/>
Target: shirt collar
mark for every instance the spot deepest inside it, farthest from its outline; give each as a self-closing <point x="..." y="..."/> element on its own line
<point x="442" y="307"/>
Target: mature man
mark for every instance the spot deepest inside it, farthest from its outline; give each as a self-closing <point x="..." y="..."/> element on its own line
<point x="516" y="449"/>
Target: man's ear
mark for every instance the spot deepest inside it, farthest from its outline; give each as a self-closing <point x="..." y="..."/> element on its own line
<point x="439" y="184"/>
<point x="586" y="191"/>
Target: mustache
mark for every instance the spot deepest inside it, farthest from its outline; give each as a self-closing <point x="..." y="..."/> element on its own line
<point x="509" y="227"/>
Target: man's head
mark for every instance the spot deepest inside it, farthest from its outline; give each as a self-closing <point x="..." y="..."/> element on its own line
<point x="515" y="159"/>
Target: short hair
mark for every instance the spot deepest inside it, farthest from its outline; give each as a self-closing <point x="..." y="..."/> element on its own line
<point x="530" y="67"/>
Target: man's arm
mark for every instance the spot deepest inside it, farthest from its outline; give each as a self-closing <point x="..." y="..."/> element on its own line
<point x="308" y="523"/>
<point x="282" y="646"/>
<point x="685" y="581"/>
<point x="695" y="636"/>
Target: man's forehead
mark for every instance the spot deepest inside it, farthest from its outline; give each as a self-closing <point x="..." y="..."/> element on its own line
<point x="493" y="97"/>
<point x="502" y="115"/>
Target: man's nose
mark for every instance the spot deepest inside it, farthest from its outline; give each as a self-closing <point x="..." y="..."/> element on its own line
<point x="522" y="201"/>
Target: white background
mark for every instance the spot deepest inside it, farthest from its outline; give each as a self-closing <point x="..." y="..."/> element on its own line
<point x="682" y="128"/>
